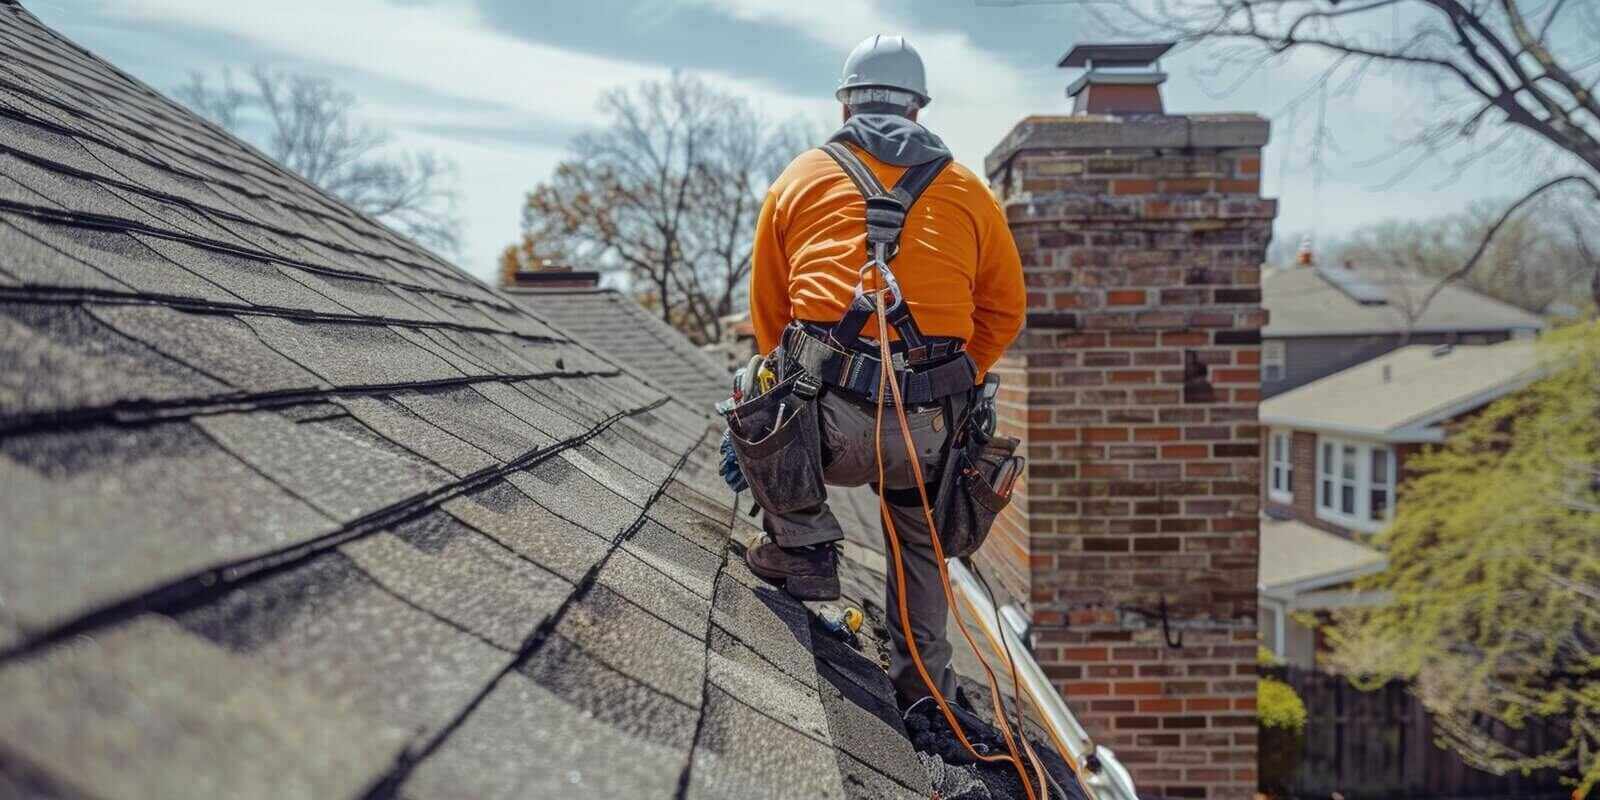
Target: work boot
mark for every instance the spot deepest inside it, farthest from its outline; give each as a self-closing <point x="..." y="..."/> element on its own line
<point x="806" y="573"/>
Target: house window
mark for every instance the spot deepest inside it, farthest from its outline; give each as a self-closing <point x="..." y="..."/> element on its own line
<point x="1273" y="361"/>
<point x="1355" y="483"/>
<point x="1280" y="467"/>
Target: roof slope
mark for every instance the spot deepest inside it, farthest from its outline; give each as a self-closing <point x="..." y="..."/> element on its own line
<point x="1300" y="302"/>
<point x="293" y="508"/>
<point x="639" y="339"/>
<point x="1296" y="557"/>
<point x="1397" y="396"/>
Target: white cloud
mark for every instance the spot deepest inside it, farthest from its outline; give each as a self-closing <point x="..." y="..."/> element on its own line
<point x="977" y="97"/>
<point x="446" y="49"/>
<point x="450" y="52"/>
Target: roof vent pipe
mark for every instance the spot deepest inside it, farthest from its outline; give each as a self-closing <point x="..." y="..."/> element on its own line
<point x="1388" y="371"/>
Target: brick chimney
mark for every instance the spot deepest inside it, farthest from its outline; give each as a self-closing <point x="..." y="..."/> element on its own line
<point x="1135" y="387"/>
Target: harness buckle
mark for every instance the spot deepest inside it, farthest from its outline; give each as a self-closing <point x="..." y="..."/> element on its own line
<point x="806" y="386"/>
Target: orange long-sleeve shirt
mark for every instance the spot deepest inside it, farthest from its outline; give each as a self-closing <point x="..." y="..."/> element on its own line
<point x="958" y="265"/>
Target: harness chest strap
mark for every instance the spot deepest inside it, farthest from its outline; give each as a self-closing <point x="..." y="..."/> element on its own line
<point x="885" y="218"/>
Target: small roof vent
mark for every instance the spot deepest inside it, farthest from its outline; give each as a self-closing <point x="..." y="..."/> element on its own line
<point x="1440" y="351"/>
<point x="1117" y="78"/>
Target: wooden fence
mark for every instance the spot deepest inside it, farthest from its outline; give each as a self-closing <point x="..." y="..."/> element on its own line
<point x="1379" y="745"/>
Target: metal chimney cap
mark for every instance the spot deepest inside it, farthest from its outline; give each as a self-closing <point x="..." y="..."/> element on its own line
<point x="1115" y="55"/>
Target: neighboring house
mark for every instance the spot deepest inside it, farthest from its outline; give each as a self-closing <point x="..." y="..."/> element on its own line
<point x="1323" y="319"/>
<point x="1335" y="450"/>
<point x="575" y="302"/>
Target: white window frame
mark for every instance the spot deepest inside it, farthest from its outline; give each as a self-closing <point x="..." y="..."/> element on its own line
<point x="1280" y="461"/>
<point x="1331" y="508"/>
<point x="1274" y="360"/>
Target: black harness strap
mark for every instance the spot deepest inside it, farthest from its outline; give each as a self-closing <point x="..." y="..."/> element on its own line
<point x="886" y="219"/>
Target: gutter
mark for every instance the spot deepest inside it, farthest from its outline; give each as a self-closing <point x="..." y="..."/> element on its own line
<point x="1405" y="434"/>
<point x="1103" y="775"/>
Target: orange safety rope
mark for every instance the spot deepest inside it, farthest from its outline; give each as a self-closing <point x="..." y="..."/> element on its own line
<point x="1025" y="693"/>
<point x="885" y="381"/>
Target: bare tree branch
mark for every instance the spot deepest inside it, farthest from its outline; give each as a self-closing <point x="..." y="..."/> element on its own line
<point x="311" y="128"/>
<point x="1488" y="236"/>
<point x="667" y="192"/>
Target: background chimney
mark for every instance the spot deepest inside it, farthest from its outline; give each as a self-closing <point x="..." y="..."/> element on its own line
<point x="1118" y="78"/>
<point x="1304" y="256"/>
<point x="550" y="275"/>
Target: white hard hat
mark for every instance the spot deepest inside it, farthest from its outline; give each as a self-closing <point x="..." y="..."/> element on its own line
<point x="888" y="62"/>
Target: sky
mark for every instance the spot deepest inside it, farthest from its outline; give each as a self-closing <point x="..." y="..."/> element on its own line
<point x="501" y="86"/>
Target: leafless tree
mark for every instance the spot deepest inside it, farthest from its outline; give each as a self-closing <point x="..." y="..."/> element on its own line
<point x="1506" y="79"/>
<point x="310" y="126"/>
<point x="668" y="192"/>
<point x="1536" y="258"/>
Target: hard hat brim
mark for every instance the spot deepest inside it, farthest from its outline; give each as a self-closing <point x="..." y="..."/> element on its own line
<point x="922" y="99"/>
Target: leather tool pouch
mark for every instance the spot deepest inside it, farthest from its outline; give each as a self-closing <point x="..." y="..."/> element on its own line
<point x="970" y="495"/>
<point x="781" y="458"/>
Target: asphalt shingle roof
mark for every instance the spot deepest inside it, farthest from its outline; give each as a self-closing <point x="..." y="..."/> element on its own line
<point x="294" y="508"/>
<point x="635" y="336"/>
<point x="1296" y="557"/>
<point x="1300" y="302"/>
<point x="1398" y="396"/>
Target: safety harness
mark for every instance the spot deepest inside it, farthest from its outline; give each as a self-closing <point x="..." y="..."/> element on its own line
<point x="927" y="369"/>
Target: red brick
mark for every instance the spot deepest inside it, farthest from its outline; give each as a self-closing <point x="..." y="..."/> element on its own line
<point x="1186" y="185"/>
<point x="1161" y="704"/>
<point x="1185" y="339"/>
<point x="1086" y="688"/>
<point x="1083" y="654"/>
<point x="1236" y="376"/>
<point x="1096" y="435"/>
<point x="1133" y="376"/>
<point x="1185" y="451"/>
<point x="1133" y="186"/>
<point x="1125" y="297"/>
<point x="1136" y="687"/>
<point x="1157" y="434"/>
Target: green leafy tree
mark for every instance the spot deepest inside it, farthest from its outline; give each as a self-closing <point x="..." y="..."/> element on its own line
<point x="1494" y="573"/>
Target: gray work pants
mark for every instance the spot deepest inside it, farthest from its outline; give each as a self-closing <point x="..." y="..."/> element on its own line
<point x="850" y="458"/>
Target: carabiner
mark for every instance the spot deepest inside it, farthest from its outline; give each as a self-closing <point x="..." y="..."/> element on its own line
<point x="879" y="261"/>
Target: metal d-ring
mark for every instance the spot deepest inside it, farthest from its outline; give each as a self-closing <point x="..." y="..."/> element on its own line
<point x="879" y="261"/>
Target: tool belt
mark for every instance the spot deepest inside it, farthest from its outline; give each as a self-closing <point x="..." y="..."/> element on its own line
<point x="777" y="437"/>
<point x="944" y="369"/>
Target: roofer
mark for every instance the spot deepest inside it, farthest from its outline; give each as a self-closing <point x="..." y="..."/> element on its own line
<point x="962" y="305"/>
